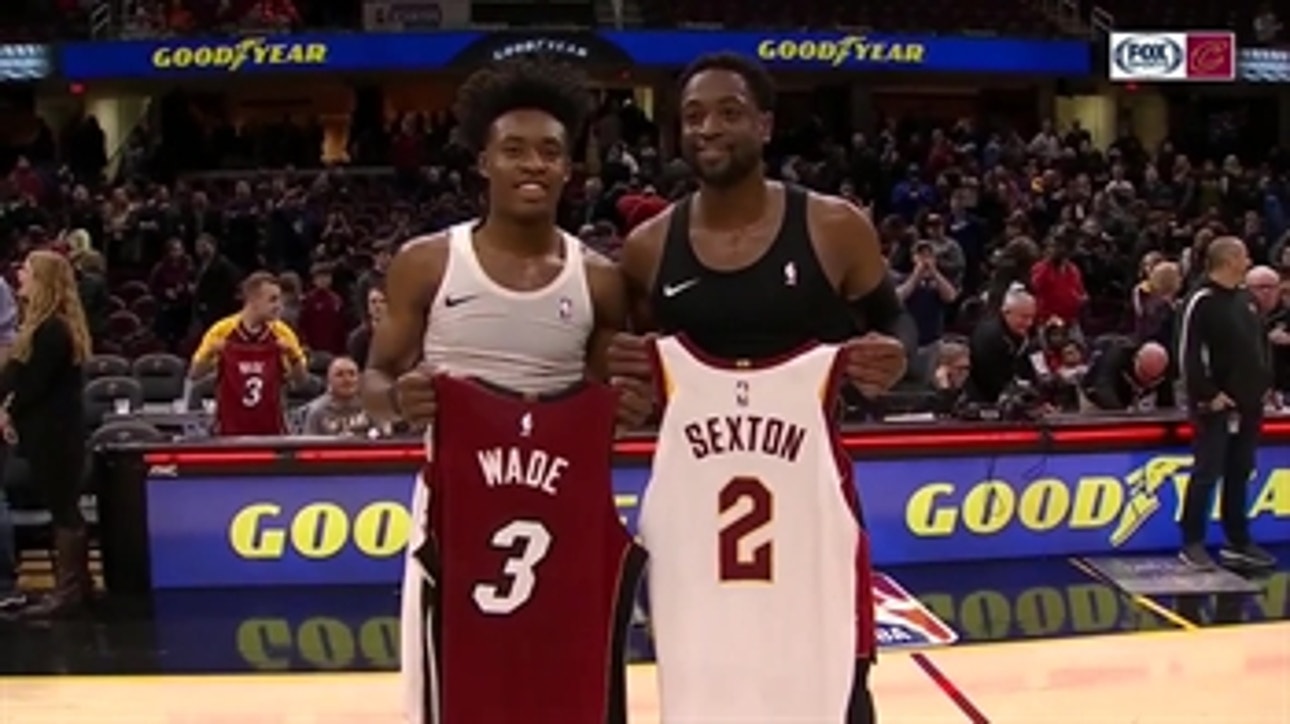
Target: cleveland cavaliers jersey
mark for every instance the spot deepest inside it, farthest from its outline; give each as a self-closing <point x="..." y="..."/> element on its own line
<point x="534" y="588"/>
<point x="250" y="377"/>
<point x="758" y="573"/>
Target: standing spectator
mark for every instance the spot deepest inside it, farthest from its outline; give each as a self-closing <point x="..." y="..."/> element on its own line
<point x="927" y="293"/>
<point x="292" y="298"/>
<point x="1265" y="286"/>
<point x="1058" y="285"/>
<point x="241" y="220"/>
<point x="10" y="597"/>
<point x="42" y="381"/>
<point x="215" y="293"/>
<point x="322" y="313"/>
<point x="92" y="286"/>
<point x="1154" y="316"/>
<point x="1224" y="368"/>
<point x="912" y="194"/>
<point x="171" y="283"/>
<point x="1267" y="26"/>
<point x="373" y="278"/>
<point x="360" y="340"/>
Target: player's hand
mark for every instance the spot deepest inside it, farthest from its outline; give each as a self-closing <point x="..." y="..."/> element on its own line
<point x="629" y="356"/>
<point x="636" y="401"/>
<point x="414" y="393"/>
<point x="1221" y="402"/>
<point x="874" y="362"/>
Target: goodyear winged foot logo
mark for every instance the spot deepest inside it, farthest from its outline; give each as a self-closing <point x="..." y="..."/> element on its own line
<point x="240" y="54"/>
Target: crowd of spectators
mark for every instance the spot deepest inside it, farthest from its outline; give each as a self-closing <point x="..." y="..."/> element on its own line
<point x="1037" y="268"/>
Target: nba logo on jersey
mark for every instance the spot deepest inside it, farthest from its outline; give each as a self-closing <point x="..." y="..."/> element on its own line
<point x="741" y="393"/>
<point x="565" y="308"/>
<point x="526" y="425"/>
<point x="790" y="274"/>
<point x="903" y="621"/>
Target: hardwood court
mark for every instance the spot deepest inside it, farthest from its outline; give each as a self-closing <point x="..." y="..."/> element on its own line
<point x="1221" y="675"/>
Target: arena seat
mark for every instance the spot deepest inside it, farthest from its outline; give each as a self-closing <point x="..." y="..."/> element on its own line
<point x="161" y="376"/>
<point x="201" y="391"/>
<point x="303" y="392"/>
<point x="105" y="394"/>
<point x="106" y="365"/>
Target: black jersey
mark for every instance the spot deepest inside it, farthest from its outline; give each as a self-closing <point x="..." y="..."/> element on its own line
<point x="768" y="308"/>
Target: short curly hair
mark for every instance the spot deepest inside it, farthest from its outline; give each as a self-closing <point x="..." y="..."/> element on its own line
<point x="752" y="71"/>
<point x="529" y="82"/>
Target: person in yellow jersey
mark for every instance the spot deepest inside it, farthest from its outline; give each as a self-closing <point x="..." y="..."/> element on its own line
<point x="253" y="355"/>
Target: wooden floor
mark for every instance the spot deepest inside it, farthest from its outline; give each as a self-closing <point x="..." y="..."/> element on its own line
<point x="1231" y="675"/>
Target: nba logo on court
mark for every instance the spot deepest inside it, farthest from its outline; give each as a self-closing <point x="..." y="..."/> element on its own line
<point x="903" y="621"/>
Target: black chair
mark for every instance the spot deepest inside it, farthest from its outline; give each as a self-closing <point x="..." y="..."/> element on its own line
<point x="111" y="395"/>
<point x="124" y="431"/>
<point x="106" y="365"/>
<point x="161" y="376"/>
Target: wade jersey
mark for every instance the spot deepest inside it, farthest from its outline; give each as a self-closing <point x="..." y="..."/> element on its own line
<point x="249" y="380"/>
<point x="758" y="575"/>
<point x="531" y="572"/>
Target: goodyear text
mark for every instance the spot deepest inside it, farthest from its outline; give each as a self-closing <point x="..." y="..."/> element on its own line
<point x="235" y="56"/>
<point x="842" y="50"/>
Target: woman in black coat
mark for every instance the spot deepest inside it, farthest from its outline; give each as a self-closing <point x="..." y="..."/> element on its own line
<point x="41" y="385"/>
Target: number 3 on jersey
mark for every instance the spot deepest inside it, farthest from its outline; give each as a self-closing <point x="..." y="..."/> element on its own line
<point x="737" y="558"/>
<point x="252" y="391"/>
<point x="528" y="541"/>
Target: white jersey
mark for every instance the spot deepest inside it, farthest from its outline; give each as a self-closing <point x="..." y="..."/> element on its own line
<point x="529" y="341"/>
<point x="757" y="556"/>
<point x="532" y="342"/>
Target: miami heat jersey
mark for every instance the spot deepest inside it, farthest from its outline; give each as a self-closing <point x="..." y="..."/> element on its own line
<point x="759" y="581"/>
<point x="531" y="572"/>
<point x="249" y="383"/>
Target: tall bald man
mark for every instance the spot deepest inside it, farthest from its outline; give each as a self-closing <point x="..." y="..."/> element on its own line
<point x="1223" y="355"/>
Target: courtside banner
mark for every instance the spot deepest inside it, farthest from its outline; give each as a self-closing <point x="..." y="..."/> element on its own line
<point x="352" y="529"/>
<point x="1193" y="56"/>
<point x="464" y="49"/>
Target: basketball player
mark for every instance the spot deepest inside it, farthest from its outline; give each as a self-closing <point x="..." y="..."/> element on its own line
<point x="253" y="354"/>
<point x="751" y="269"/>
<point x="520" y="306"/>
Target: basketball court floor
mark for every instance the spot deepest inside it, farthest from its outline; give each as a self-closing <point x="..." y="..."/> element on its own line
<point x="1039" y="641"/>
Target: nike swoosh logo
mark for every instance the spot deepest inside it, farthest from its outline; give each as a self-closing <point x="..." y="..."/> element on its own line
<point x="451" y="301"/>
<point x="671" y="290"/>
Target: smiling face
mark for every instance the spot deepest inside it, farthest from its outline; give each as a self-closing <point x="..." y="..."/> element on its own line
<point x="722" y="128"/>
<point x="526" y="163"/>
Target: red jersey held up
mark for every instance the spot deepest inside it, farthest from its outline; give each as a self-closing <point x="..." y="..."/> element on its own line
<point x="534" y="574"/>
<point x="249" y="379"/>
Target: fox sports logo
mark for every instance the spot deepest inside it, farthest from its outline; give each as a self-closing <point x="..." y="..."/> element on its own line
<point x="1150" y="55"/>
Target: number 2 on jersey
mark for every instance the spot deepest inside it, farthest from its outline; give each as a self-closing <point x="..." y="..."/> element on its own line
<point x="528" y="541"/>
<point x="733" y="563"/>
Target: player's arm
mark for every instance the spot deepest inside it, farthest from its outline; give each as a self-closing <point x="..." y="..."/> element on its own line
<point x="293" y="353"/>
<point x="207" y="352"/>
<point x="639" y="259"/>
<point x="609" y="304"/>
<point x="411" y="281"/>
<point x="848" y="246"/>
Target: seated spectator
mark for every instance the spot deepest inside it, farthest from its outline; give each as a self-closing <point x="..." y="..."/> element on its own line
<point x="1001" y="348"/>
<point x="1126" y="375"/>
<point x="927" y="293"/>
<point x="339" y="410"/>
<point x="950" y="378"/>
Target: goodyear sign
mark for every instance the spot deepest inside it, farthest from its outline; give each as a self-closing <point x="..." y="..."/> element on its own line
<point x="464" y="49"/>
<point x="352" y="529"/>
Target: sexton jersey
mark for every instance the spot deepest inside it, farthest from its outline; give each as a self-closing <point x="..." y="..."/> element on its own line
<point x="758" y="563"/>
<point x="530" y="600"/>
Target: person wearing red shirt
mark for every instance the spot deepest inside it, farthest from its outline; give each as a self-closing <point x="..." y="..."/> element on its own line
<point x="1058" y="285"/>
<point x="322" y="314"/>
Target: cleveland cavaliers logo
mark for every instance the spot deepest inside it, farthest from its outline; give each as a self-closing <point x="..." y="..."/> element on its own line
<point x="565" y="309"/>
<point x="526" y="424"/>
<point x="741" y="393"/>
